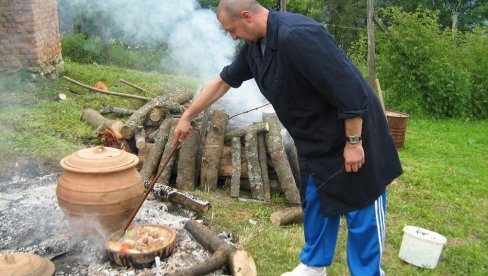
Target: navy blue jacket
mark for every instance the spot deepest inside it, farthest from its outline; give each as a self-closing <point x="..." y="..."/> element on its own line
<point x="313" y="86"/>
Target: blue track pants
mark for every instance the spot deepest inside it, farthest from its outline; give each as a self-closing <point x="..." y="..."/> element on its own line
<point x="365" y="239"/>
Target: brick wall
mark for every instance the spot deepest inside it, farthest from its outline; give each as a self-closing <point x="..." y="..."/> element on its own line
<point x="29" y="37"/>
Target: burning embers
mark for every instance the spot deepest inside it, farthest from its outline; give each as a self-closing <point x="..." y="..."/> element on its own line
<point x="32" y="222"/>
<point x="140" y="245"/>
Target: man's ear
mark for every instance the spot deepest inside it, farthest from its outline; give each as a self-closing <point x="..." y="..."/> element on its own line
<point x="246" y="16"/>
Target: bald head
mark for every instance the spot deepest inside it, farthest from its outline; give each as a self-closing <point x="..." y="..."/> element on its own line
<point x="234" y="8"/>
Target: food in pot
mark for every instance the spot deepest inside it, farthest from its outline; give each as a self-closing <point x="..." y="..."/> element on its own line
<point x="139" y="239"/>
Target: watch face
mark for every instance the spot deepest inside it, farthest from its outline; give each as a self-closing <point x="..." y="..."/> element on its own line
<point x="353" y="139"/>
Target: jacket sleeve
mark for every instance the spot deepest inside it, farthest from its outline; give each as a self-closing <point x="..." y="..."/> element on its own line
<point x="315" y="54"/>
<point x="238" y="71"/>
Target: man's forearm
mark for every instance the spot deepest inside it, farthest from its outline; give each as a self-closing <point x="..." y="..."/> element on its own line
<point x="354" y="126"/>
<point x="211" y="93"/>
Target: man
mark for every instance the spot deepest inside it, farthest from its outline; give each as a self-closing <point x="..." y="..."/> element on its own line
<point x="347" y="155"/>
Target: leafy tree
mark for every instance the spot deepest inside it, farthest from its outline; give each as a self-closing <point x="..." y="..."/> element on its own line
<point x="426" y="69"/>
<point x="470" y="13"/>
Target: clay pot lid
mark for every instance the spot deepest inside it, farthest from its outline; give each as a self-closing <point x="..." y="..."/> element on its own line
<point x="20" y="264"/>
<point x="99" y="160"/>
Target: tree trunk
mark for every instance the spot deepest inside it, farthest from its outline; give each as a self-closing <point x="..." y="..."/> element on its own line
<point x="251" y="145"/>
<point x="212" y="150"/>
<point x="154" y="156"/>
<point x="274" y="143"/>
<point x="185" y="179"/>
<point x="235" y="182"/>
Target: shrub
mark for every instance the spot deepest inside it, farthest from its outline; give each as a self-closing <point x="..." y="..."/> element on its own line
<point x="82" y="49"/>
<point x="427" y="71"/>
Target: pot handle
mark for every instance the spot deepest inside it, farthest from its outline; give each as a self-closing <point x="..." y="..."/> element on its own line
<point x="99" y="149"/>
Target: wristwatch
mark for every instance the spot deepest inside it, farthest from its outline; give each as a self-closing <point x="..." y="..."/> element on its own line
<point x="353" y="139"/>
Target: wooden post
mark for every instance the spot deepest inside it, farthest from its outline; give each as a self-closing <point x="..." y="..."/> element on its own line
<point x="276" y="150"/>
<point x="165" y="176"/>
<point x="154" y="156"/>
<point x="371" y="44"/>
<point x="254" y="170"/>
<point x="212" y="150"/>
<point x="283" y="5"/>
<point x="235" y="182"/>
<point x="263" y="164"/>
<point x="185" y="179"/>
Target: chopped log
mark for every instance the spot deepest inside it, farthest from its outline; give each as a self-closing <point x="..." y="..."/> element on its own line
<point x="60" y="97"/>
<point x="212" y="150"/>
<point x="107" y="109"/>
<point x="276" y="150"/>
<point x="287" y="216"/>
<point x="165" y="176"/>
<point x="226" y="167"/>
<point x="140" y="137"/>
<point x="242" y="263"/>
<point x="157" y="114"/>
<point x="211" y="242"/>
<point x="235" y="182"/>
<point x="173" y="107"/>
<point x="240" y="132"/>
<point x="133" y="85"/>
<point x="185" y="179"/>
<point x="251" y="145"/>
<point x="201" y="141"/>
<point x="141" y="115"/>
<point x="154" y="156"/>
<point x="105" y="91"/>
<point x="291" y="152"/>
<point x="185" y="199"/>
<point x="263" y="164"/>
<point x="97" y="120"/>
<point x="144" y="152"/>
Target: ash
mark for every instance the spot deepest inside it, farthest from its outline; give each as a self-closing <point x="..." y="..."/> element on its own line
<point x="31" y="221"/>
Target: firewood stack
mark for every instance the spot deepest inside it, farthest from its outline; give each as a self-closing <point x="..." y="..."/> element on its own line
<point x="251" y="158"/>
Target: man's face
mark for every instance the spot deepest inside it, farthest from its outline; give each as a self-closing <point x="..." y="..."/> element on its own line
<point x="240" y="28"/>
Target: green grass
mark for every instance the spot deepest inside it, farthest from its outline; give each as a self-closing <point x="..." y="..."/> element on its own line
<point x="443" y="188"/>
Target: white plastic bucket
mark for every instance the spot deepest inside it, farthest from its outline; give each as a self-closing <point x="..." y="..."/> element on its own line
<point x="421" y="247"/>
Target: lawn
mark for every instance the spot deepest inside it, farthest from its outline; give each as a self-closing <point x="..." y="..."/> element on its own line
<point x="443" y="187"/>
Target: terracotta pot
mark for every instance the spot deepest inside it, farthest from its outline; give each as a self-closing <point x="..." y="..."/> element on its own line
<point x="17" y="263"/>
<point x="99" y="189"/>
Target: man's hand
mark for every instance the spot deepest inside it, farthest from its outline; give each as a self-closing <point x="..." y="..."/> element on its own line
<point x="353" y="157"/>
<point x="182" y="130"/>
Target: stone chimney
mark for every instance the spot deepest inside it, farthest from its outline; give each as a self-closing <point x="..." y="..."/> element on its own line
<point x="29" y="37"/>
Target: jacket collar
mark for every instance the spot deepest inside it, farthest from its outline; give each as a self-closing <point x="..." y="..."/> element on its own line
<point x="271" y="43"/>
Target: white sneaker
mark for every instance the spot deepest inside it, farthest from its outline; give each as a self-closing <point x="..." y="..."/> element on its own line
<point x="305" y="270"/>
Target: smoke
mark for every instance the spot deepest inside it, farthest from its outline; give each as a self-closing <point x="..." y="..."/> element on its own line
<point x="197" y="45"/>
